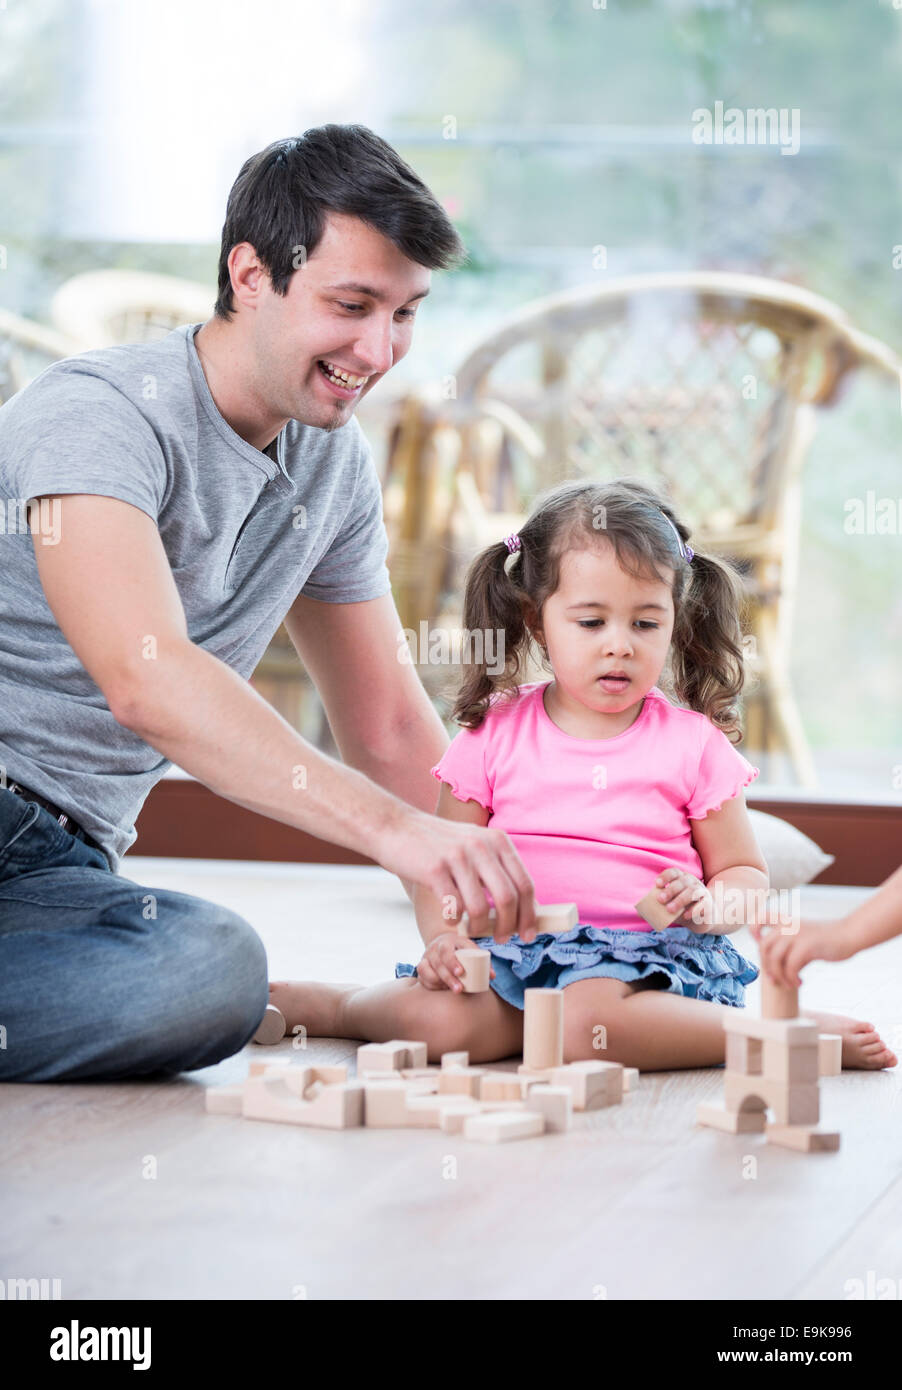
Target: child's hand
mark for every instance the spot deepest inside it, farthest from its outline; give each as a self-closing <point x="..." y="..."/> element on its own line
<point x="440" y="968"/>
<point x="686" y="897"/>
<point x="784" y="953"/>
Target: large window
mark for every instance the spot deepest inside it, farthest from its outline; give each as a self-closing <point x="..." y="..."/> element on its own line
<point x="573" y="141"/>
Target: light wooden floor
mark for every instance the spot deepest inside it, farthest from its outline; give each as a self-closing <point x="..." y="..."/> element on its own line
<point x="636" y="1202"/>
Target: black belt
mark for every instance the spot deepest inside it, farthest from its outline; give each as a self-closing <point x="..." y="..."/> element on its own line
<point x="61" y="817"/>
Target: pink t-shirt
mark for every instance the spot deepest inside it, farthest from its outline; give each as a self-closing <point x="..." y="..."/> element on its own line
<point x="596" y="820"/>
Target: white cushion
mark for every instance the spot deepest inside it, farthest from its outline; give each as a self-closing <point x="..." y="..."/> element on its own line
<point x="792" y="858"/>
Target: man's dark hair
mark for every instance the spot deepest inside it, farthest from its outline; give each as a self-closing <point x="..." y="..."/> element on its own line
<point x="282" y="195"/>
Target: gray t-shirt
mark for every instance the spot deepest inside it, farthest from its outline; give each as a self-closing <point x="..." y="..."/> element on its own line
<point x="245" y="532"/>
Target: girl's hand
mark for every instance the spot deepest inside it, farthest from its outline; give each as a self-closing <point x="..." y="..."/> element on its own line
<point x="440" y="968"/>
<point x="686" y="897"/>
<point x="783" y="954"/>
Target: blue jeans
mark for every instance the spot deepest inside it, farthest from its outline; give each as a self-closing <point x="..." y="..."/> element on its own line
<point x="103" y="979"/>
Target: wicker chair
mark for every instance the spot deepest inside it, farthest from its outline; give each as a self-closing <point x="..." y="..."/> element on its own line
<point x="706" y="383"/>
<point x="26" y="348"/>
<point x="104" y="307"/>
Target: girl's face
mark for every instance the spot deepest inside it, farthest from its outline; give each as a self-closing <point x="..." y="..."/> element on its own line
<point x="607" y="634"/>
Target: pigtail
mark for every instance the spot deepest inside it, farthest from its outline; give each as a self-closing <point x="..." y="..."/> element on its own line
<point x="493" y="602"/>
<point x="706" y="654"/>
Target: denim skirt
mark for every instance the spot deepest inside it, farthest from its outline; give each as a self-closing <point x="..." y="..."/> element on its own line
<point x="701" y="966"/>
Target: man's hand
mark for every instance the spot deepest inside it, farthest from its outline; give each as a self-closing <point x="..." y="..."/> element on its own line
<point x="440" y="968"/>
<point x="687" y="898"/>
<point x="458" y="862"/>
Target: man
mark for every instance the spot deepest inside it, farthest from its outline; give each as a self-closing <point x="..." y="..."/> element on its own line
<point x="201" y="490"/>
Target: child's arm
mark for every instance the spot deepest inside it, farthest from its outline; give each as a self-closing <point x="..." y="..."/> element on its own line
<point x="731" y="857"/>
<point x="784" y="953"/>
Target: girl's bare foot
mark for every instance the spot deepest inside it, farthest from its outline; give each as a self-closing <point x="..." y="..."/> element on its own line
<point x="314" y="1006"/>
<point x="862" y="1045"/>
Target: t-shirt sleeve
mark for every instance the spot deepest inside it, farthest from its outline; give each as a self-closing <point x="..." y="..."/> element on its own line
<point x="462" y="766"/>
<point x="722" y="774"/>
<point x="353" y="568"/>
<point x="70" y="432"/>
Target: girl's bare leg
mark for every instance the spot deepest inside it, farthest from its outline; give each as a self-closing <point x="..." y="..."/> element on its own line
<point x="482" y="1024"/>
<point x="658" y="1031"/>
<point x="610" y="1021"/>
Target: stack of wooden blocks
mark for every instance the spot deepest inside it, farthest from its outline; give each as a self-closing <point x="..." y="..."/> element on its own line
<point x="395" y="1088"/>
<point x="775" y="1062"/>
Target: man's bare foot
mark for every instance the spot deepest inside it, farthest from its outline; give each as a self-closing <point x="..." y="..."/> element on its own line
<point x="862" y="1045"/>
<point x="316" y="1007"/>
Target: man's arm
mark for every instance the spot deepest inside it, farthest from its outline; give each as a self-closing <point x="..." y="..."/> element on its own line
<point x="110" y="588"/>
<point x="381" y="717"/>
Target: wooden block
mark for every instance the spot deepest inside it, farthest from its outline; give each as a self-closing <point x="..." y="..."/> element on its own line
<point x="272" y="1027"/>
<point x="451" y="1117"/>
<point x="422" y="1085"/>
<point x="477" y="965"/>
<point x="557" y="917"/>
<point x="613" y="1071"/>
<point x="223" y="1100"/>
<point x="536" y="1073"/>
<point x="385" y="1104"/>
<point x="552" y="918"/>
<point x="829" y="1054"/>
<point x="778" y="1001"/>
<point x="555" y="1103"/>
<point x="381" y="1057"/>
<point x="500" y="1085"/>
<point x="338" y="1106"/>
<point x="806" y="1138"/>
<point x="592" y="1085"/>
<point x="744" y="1054"/>
<point x="630" y="1078"/>
<point x="657" y="915"/>
<point x="732" y="1121"/>
<point x="259" y="1067"/>
<point x="417" y="1052"/>
<point x="420" y="1073"/>
<point x="424" y="1112"/>
<point x="792" y="1102"/>
<point x="460" y="1081"/>
<point x="331" y="1075"/>
<point x="790" y="1061"/>
<point x="297" y="1080"/>
<point x="499" y="1129"/>
<point x="790" y="1030"/>
<point x="301" y="1079"/>
<point x="335" y="1107"/>
<point x="455" y="1059"/>
<point x="543" y="1028"/>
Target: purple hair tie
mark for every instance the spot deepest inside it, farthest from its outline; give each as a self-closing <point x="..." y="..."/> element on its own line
<point x="512" y="542"/>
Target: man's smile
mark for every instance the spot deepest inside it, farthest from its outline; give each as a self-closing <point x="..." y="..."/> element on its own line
<point x="344" y="383"/>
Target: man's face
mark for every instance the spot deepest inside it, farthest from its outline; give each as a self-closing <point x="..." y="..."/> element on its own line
<point x="349" y="310"/>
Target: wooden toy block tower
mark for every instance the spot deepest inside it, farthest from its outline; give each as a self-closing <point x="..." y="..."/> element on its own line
<point x="774" y="1063"/>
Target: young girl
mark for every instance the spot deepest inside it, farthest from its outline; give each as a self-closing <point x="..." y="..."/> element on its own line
<point x="606" y="787"/>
